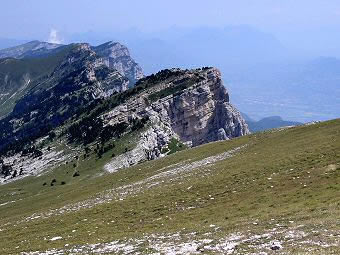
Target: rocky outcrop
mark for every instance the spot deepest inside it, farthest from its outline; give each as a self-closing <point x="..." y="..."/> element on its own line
<point x="113" y="54"/>
<point x="117" y="56"/>
<point x="84" y="68"/>
<point x="163" y="110"/>
<point x="81" y="75"/>
<point x="104" y="70"/>
<point x="149" y="147"/>
<point x="202" y="113"/>
<point x="196" y="112"/>
<point x="77" y="81"/>
<point x="83" y="91"/>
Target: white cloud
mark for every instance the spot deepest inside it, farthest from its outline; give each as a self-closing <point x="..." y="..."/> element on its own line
<point x="54" y="37"/>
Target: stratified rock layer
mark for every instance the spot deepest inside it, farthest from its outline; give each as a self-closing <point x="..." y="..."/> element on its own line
<point x="117" y="56"/>
<point x="198" y="114"/>
<point x="202" y="113"/>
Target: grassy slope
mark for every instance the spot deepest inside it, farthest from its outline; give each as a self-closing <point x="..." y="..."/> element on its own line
<point x="287" y="176"/>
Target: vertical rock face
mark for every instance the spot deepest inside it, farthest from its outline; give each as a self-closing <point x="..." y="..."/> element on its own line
<point x="192" y="107"/>
<point x="117" y="56"/>
<point x="83" y="68"/>
<point x="202" y="113"/>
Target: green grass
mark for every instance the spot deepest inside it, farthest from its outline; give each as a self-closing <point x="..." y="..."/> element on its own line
<point x="291" y="175"/>
<point x="174" y="146"/>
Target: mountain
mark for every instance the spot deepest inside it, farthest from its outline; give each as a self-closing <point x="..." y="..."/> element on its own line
<point x="114" y="55"/>
<point x="75" y="95"/>
<point x="30" y="49"/>
<point x="77" y="80"/>
<point x="117" y="56"/>
<point x="190" y="107"/>
<point x="79" y="175"/>
<point x="268" y="123"/>
<point x="86" y="104"/>
<point x="76" y="66"/>
<point x="265" y="77"/>
<point x="17" y="76"/>
<point x="257" y="68"/>
<point x="36" y="60"/>
<point x="267" y="193"/>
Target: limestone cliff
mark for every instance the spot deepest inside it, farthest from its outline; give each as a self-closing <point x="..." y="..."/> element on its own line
<point x="202" y="113"/>
<point x="89" y="107"/>
<point x="117" y="56"/>
<point x="192" y="106"/>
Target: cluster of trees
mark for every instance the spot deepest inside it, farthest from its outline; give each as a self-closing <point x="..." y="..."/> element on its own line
<point x="176" y="89"/>
<point x="102" y="149"/>
<point x="54" y="182"/>
<point x="6" y="170"/>
<point x="158" y="77"/>
<point x="89" y="130"/>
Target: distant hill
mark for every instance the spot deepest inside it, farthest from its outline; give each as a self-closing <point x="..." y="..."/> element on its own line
<point x="188" y="48"/>
<point x="268" y="123"/>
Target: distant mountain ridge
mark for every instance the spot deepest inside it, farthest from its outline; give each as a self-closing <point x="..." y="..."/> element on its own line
<point x="30" y="49"/>
<point x="114" y="54"/>
<point x="257" y="67"/>
<point x="78" y="95"/>
<point x="20" y="66"/>
<point x="77" y="78"/>
<point x="268" y="123"/>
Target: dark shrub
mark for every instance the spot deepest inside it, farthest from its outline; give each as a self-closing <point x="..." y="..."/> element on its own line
<point x="76" y="174"/>
<point x="15" y="173"/>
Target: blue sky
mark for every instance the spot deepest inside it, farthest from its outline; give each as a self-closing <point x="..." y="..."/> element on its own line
<point x="292" y="21"/>
<point x="33" y="17"/>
